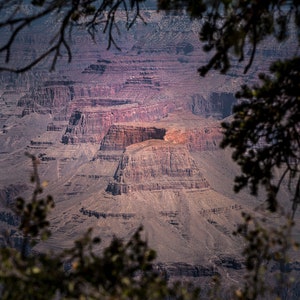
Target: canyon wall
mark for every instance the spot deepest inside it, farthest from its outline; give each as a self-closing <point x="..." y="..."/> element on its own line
<point x="119" y="137"/>
<point x="156" y="165"/>
<point x="206" y="138"/>
<point x="218" y="105"/>
<point x="91" y="126"/>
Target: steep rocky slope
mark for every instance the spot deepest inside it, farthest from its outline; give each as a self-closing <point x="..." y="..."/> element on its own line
<point x="155" y="165"/>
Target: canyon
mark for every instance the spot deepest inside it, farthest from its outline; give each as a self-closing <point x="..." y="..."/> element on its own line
<point x="129" y="138"/>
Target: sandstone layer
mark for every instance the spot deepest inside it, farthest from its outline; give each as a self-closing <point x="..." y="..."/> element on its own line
<point x="91" y="125"/>
<point x="156" y="165"/>
<point x="119" y="137"/>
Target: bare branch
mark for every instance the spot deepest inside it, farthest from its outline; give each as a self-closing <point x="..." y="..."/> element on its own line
<point x="296" y="199"/>
<point x="31" y="64"/>
<point x="136" y="16"/>
<point x="253" y="50"/>
<point x="105" y="14"/>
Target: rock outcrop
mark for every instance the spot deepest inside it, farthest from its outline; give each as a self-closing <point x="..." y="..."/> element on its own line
<point x="230" y="262"/>
<point x="198" y="134"/>
<point x="180" y="269"/>
<point x="91" y="125"/>
<point x="205" y="138"/>
<point x="51" y="97"/>
<point x="218" y="105"/>
<point x="156" y="165"/>
<point x="121" y="136"/>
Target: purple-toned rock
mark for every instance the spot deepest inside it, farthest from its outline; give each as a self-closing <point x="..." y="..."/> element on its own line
<point x="120" y="136"/>
<point x="156" y="165"/>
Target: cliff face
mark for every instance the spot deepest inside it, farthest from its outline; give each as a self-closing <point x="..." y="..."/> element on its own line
<point x="156" y="165"/>
<point x="199" y="135"/>
<point x="154" y="76"/>
<point x="159" y="157"/>
<point x="121" y="136"/>
<point x="92" y="125"/>
<point x="205" y="138"/>
<point x="51" y="97"/>
<point x="218" y="105"/>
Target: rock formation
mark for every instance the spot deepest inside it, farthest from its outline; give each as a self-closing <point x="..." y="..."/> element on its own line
<point x="129" y="138"/>
<point x="219" y="105"/>
<point x="156" y="165"/>
<point x="119" y="137"/>
<point x="205" y="138"/>
<point x="91" y="125"/>
<point x="179" y="269"/>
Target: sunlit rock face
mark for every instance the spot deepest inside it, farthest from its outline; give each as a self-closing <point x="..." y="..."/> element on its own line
<point x="156" y="165"/>
<point x="205" y="138"/>
<point x="91" y="124"/>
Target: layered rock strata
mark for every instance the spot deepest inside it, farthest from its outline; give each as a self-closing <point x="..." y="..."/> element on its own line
<point x="91" y="125"/>
<point x="156" y="165"/>
<point x="206" y="138"/>
<point x="198" y="134"/>
<point x="218" y="105"/>
<point x="121" y="136"/>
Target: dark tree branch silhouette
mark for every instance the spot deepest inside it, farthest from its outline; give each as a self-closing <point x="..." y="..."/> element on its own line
<point x="230" y="28"/>
<point x="265" y="133"/>
<point x="71" y="13"/>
